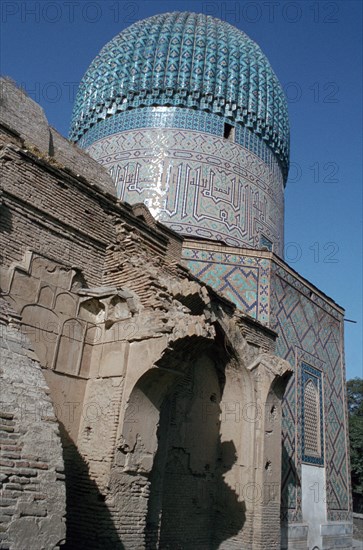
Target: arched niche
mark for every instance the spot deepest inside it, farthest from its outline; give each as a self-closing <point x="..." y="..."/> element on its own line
<point x="138" y="441"/>
<point x="46" y="296"/>
<point x="170" y="462"/>
<point x="70" y="347"/>
<point x="66" y="304"/>
<point x="134" y="456"/>
<point x="312" y="422"/>
<point x="42" y="326"/>
<point x="186" y="475"/>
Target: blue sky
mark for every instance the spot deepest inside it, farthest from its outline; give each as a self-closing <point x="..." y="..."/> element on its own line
<point x="315" y="48"/>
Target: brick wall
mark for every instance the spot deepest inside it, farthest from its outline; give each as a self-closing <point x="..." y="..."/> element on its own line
<point x="32" y="470"/>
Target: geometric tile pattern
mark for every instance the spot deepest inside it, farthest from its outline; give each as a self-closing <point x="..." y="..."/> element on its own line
<point x="312" y="416"/>
<point x="243" y="280"/>
<point x="310" y="333"/>
<point x="176" y="117"/>
<point x="266" y="243"/>
<point x="253" y="143"/>
<point x="156" y="117"/>
<point x="185" y="60"/>
<point x="198" y="184"/>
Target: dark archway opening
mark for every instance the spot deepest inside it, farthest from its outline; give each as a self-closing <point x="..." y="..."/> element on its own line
<point x="183" y="479"/>
<point x="188" y="494"/>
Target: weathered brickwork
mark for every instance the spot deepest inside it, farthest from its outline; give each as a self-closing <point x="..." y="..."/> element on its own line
<point x="32" y="470"/>
<point x="33" y="195"/>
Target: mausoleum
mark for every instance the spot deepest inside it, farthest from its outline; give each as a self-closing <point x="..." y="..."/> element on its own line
<point x="193" y="381"/>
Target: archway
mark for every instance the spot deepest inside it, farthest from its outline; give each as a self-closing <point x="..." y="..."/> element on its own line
<point x="168" y="480"/>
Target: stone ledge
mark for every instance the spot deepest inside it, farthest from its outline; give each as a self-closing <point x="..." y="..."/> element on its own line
<point x="294" y="537"/>
<point x="336" y="528"/>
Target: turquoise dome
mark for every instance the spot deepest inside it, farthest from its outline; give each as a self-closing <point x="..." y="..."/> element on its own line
<point x="185" y="60"/>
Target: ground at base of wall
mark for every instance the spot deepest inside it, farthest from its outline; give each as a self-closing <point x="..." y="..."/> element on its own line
<point x="358" y="527"/>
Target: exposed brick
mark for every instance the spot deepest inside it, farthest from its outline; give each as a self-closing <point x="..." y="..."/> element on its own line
<point x="27" y="472"/>
<point x="40" y="496"/>
<point x="10" y="454"/>
<point x="14" y="487"/>
<point x="7" y="501"/>
<point x="6" y="422"/>
<point x="22" y="464"/>
<point x="5" y="428"/>
<point x="7" y="416"/>
<point x="21" y="480"/>
<point x="7" y="463"/>
<point x="39" y="465"/>
<point x="8" y="511"/>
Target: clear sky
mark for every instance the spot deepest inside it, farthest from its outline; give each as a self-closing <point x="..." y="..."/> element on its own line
<point x="315" y="48"/>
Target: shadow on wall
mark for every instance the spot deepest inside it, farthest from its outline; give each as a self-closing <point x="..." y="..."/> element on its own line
<point x="6" y="225"/>
<point x="88" y="520"/>
<point x="172" y="478"/>
<point x="190" y="505"/>
<point x="229" y="512"/>
<point x="290" y="482"/>
<point x="214" y="498"/>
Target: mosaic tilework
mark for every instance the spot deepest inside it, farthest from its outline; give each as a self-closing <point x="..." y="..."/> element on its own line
<point x="253" y="143"/>
<point x="242" y="279"/>
<point x="309" y="337"/>
<point x="265" y="243"/>
<point x="309" y="332"/>
<point x="198" y="184"/>
<point x="190" y="60"/>
<point x="155" y="117"/>
<point x="175" y="117"/>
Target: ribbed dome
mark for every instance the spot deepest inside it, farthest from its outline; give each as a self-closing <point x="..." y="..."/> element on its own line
<point x="191" y="60"/>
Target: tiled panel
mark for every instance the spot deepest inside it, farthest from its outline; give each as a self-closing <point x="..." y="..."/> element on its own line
<point x="265" y="243"/>
<point x="197" y="183"/>
<point x="155" y="117"/>
<point x="310" y="333"/>
<point x="176" y="117"/>
<point x="243" y="280"/>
